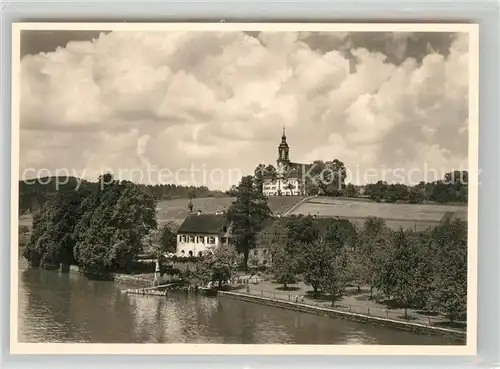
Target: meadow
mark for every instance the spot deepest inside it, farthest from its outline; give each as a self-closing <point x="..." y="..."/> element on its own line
<point x="176" y="210"/>
<point x="416" y="216"/>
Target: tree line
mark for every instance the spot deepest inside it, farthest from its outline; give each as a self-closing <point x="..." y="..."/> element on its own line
<point x="422" y="270"/>
<point x="34" y="193"/>
<point x="452" y="188"/>
<point x="328" y="178"/>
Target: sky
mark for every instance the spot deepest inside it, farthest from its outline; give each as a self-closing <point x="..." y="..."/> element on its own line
<point x="204" y="108"/>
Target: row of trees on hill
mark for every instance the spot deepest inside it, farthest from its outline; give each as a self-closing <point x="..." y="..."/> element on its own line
<point x="452" y="188"/>
<point x="424" y="270"/>
<point x="100" y="228"/>
<point x="328" y="179"/>
<point x="34" y="193"/>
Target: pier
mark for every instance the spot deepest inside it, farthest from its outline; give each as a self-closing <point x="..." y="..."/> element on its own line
<point x="150" y="291"/>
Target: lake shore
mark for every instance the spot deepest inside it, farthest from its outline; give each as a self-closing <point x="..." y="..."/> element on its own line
<point x="339" y="314"/>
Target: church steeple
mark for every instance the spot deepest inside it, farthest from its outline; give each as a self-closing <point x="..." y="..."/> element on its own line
<point x="283" y="148"/>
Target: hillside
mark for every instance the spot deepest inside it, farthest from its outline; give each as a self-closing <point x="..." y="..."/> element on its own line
<point x="177" y="209"/>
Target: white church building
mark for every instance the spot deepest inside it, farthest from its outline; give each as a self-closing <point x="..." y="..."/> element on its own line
<point x="289" y="177"/>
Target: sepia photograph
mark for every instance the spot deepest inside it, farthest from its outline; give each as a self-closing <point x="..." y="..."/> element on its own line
<point x="300" y="187"/>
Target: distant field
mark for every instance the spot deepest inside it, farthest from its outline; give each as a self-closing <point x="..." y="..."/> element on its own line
<point x="177" y="209"/>
<point x="418" y="217"/>
<point x="396" y="215"/>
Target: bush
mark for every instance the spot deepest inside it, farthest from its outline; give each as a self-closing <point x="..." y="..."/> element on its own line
<point x="262" y="268"/>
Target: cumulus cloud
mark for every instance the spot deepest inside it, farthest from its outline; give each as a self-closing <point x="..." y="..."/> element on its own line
<point x="218" y="101"/>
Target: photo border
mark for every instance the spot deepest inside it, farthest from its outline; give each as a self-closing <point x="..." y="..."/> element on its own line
<point x="207" y="349"/>
<point x="482" y="12"/>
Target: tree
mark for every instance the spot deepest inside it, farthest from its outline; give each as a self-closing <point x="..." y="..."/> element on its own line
<point x="327" y="178"/>
<point x="271" y="172"/>
<point x="449" y="284"/>
<point x="247" y="214"/>
<point x="416" y="196"/>
<point x="259" y="173"/>
<point x="115" y="222"/>
<point x="284" y="266"/>
<point x="335" y="274"/>
<point x="371" y="251"/>
<point x="52" y="239"/>
<point x="273" y="236"/>
<point x="233" y="191"/>
<point x="217" y="267"/>
<point x="351" y="190"/>
<point x="163" y="240"/>
<point x="315" y="259"/>
<point x="402" y="268"/>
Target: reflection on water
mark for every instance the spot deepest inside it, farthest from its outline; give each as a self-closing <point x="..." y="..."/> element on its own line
<point x="56" y="307"/>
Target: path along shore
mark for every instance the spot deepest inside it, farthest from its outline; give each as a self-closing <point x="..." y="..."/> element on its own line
<point x="336" y="313"/>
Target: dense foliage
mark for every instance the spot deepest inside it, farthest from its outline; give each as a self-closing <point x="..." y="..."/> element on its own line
<point x="35" y="192"/>
<point x="421" y="270"/>
<point x="217" y="267"/>
<point x="247" y="214"/>
<point x="452" y="188"/>
<point x="101" y="228"/>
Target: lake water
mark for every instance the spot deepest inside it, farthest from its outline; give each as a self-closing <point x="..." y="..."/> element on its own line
<point x="57" y="307"/>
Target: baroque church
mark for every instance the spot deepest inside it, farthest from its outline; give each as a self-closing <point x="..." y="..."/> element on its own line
<point x="289" y="179"/>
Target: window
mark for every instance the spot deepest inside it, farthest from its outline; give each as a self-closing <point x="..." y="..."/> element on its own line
<point x="199" y="253"/>
<point x="211" y="240"/>
<point x="190" y="253"/>
<point x="183" y="238"/>
<point x="200" y="239"/>
<point x="191" y="238"/>
<point x="182" y="252"/>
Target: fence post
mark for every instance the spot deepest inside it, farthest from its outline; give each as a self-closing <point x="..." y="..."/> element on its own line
<point x="262" y="292"/>
<point x="274" y="295"/>
<point x="368" y="311"/>
<point x="429" y="320"/>
<point x="387" y="313"/>
<point x="288" y="297"/>
<point x="350" y="307"/>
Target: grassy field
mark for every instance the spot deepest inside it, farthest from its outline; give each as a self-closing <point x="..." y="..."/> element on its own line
<point x="418" y="217"/>
<point x="414" y="216"/>
<point x="177" y="209"/>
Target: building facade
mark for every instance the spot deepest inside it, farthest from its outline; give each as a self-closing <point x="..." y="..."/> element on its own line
<point x="289" y="179"/>
<point x="202" y="233"/>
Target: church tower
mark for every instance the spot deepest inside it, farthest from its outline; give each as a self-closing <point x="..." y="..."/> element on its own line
<point x="283" y="159"/>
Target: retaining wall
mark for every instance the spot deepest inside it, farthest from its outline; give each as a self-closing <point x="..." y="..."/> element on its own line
<point x="407" y="326"/>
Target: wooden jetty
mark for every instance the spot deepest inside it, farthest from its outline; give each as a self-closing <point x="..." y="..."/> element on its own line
<point x="150" y="291"/>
